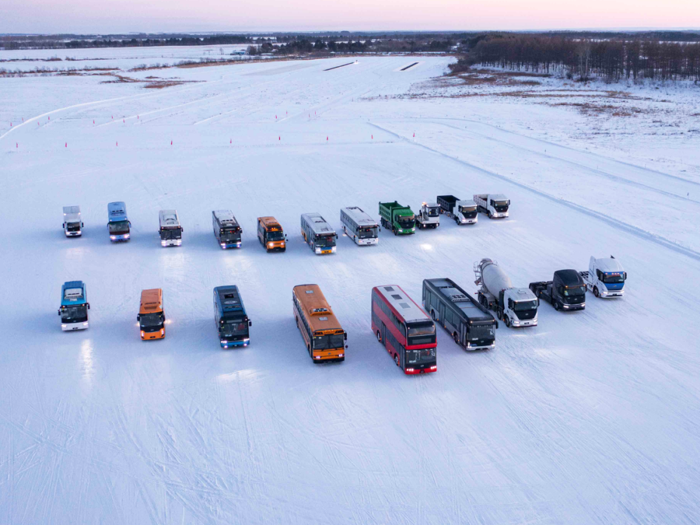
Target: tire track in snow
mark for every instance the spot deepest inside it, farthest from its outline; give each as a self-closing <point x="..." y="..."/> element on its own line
<point x="643" y="234"/>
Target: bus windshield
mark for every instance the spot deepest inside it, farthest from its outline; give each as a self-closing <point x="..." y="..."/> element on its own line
<point x="119" y="227"/>
<point x="232" y="327"/>
<point x="328" y="342"/>
<point x="367" y="233"/>
<point x="482" y="331"/>
<point x="325" y="240"/>
<point x="151" y="320"/>
<point x="74" y="314"/>
<point x="171" y="234"/>
<point x="275" y="236"/>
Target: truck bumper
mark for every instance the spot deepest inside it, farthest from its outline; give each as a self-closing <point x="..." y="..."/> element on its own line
<point x="231" y="344"/>
<point x="72" y="327"/>
<point x="174" y="242"/>
<point x="572" y="307"/>
<point x="366" y="242"/>
<point x="226" y="246"/>
<point x="614" y="293"/>
<point x="480" y="347"/>
<point x="523" y="324"/>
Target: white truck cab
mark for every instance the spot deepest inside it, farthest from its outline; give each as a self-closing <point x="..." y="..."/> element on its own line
<point x="72" y="223"/>
<point x="495" y="205"/>
<point x="429" y="215"/>
<point x="605" y="277"/>
<point x="465" y="212"/>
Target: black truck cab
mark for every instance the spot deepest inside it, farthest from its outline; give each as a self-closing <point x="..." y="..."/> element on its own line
<point x="566" y="290"/>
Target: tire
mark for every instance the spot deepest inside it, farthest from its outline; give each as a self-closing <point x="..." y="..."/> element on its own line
<point x="456" y="221"/>
<point x="489" y="214"/>
<point x="499" y="314"/>
<point x="596" y="292"/>
<point x="396" y="360"/>
<point x="379" y="336"/>
<point x="556" y="305"/>
<point x="455" y="336"/>
<point x="506" y="320"/>
<point x="432" y="314"/>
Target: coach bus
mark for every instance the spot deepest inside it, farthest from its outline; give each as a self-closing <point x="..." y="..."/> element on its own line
<point x="226" y="229"/>
<point x="407" y="332"/>
<point x="151" y="317"/>
<point x="359" y="226"/>
<point x="230" y="317"/>
<point x="324" y="337"/>
<point x="74" y="306"/>
<point x="318" y="234"/>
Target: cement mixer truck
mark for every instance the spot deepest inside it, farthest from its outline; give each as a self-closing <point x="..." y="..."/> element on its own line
<point x="516" y="307"/>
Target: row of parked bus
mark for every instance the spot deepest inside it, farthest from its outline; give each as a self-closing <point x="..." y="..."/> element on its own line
<point x="319" y="235"/>
<point x="404" y="328"/>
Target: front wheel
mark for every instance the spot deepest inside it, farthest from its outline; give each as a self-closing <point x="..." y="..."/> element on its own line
<point x="556" y="305"/>
<point x="506" y="320"/>
<point x="596" y="292"/>
<point x="396" y="360"/>
<point x="432" y="314"/>
<point x="379" y="336"/>
<point x="455" y="336"/>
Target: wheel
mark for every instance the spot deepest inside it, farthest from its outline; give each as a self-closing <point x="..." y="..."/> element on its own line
<point x="455" y="336"/>
<point x="489" y="214"/>
<point x="379" y="336"/>
<point x="506" y="320"/>
<point x="556" y="305"/>
<point x="396" y="360"/>
<point x="456" y="221"/>
<point x="499" y="314"/>
<point x="297" y="320"/>
<point x="596" y="292"/>
<point x="432" y="314"/>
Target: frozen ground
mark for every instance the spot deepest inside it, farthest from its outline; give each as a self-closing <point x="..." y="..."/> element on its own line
<point x="591" y="417"/>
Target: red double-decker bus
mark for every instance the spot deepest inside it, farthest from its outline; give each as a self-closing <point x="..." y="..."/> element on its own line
<point x="407" y="332"/>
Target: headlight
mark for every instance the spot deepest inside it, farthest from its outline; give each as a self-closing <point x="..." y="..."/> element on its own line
<point x="162" y="331"/>
<point x="162" y="243"/>
<point x="270" y="244"/>
<point x="113" y="237"/>
<point x="400" y="230"/>
<point x="63" y="326"/>
<point x="142" y="333"/>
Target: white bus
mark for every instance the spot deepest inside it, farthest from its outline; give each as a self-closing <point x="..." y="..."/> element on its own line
<point x="359" y="226"/>
<point x="318" y="234"/>
<point x="170" y="228"/>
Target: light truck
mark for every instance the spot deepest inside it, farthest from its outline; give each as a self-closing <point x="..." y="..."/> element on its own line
<point x="428" y="216"/>
<point x="72" y="223"/>
<point x="461" y="211"/>
<point x="495" y="205"/>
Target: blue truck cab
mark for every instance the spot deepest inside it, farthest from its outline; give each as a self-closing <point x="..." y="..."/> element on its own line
<point x="230" y="316"/>
<point x="119" y="224"/>
<point x="605" y="277"/>
<point x="74" y="306"/>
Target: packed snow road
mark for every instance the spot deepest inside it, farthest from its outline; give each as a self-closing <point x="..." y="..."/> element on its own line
<point x="591" y="417"/>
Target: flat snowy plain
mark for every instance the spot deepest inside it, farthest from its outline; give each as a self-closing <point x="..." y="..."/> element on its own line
<point x="592" y="417"/>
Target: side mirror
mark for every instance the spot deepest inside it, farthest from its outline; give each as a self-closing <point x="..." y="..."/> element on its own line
<point x="63" y="225"/>
<point x="88" y="306"/>
<point x="250" y="323"/>
<point x="138" y="317"/>
<point x="59" y="311"/>
<point x="346" y="337"/>
<point x="82" y="225"/>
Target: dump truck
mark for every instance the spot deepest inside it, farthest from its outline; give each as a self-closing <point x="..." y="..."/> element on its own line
<point x="516" y="307"/>
<point x="461" y="211"/>
<point x="494" y="205"/>
<point x="397" y="218"/>
<point x="566" y="290"/>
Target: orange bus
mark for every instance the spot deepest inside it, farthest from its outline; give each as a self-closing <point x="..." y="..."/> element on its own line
<point x="271" y="235"/>
<point x="151" y="317"/>
<point x="324" y="337"/>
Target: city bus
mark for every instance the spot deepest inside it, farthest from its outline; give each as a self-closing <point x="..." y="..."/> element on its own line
<point x="226" y="229"/>
<point x="407" y="332"/>
<point x="151" y="317"/>
<point x="230" y="317"/>
<point x="318" y="234"/>
<point x="271" y="235"/>
<point x="118" y="223"/>
<point x="359" y="226"/>
<point x="170" y="228"/>
<point x="74" y="306"/>
<point x="325" y="339"/>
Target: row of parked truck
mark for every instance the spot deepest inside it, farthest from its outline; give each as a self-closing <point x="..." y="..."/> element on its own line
<point x="316" y="231"/>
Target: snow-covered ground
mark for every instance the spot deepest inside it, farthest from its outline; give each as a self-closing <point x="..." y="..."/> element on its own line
<point x="591" y="417"/>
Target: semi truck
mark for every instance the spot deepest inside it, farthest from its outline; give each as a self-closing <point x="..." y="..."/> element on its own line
<point x="461" y="211"/>
<point x="118" y="223"/>
<point x="605" y="277"/>
<point x="428" y="216"/>
<point x="516" y="307"/>
<point x="72" y="223"/>
<point x="495" y="205"/>
<point x="467" y="321"/>
<point x="566" y="290"/>
<point x="74" y="306"/>
<point x="170" y="229"/>
<point x="397" y="218"/>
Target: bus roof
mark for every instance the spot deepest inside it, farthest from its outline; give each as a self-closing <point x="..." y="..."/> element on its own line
<point x="151" y="301"/>
<point x="360" y="217"/>
<point x="402" y="303"/>
<point x="317" y="223"/>
<point x="454" y="294"/>
<point x="116" y="211"/>
<point x="270" y="223"/>
<point x="225" y="217"/>
<point x="73" y="293"/>
<point x="168" y="219"/>
<point x="316" y="309"/>
<point x="228" y="300"/>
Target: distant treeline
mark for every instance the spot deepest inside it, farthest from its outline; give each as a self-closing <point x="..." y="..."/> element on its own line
<point x="34" y="42"/>
<point x="584" y="59"/>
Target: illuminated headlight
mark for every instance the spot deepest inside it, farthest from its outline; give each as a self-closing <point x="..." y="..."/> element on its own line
<point x="413" y="229"/>
<point x="270" y="245"/>
<point x="583" y="304"/>
<point x="223" y="245"/>
<point x="179" y="242"/>
<point x="143" y="334"/>
<point x="127" y="236"/>
<point x="341" y="355"/>
<point x="317" y="357"/>
<point x="113" y="237"/>
<point x="434" y="367"/>
<point x="410" y="370"/>
<point x="400" y="230"/>
<point x="85" y="323"/>
<point x="63" y="326"/>
<point x="566" y="306"/>
<point x="162" y="331"/>
<point x="333" y="249"/>
<point x="163" y="243"/>
<point x="223" y="342"/>
<point x="318" y="250"/>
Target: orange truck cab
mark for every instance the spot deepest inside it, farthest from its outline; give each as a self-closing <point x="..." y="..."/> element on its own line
<point x="151" y="317"/>
<point x="271" y="235"/>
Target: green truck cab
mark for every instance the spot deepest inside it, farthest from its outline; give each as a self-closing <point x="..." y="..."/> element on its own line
<point x="399" y="219"/>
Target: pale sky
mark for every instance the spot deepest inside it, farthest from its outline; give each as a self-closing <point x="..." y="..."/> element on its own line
<point x="115" y="16"/>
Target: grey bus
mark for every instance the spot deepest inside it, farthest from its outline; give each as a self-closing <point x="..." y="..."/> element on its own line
<point x="469" y="323"/>
<point x="226" y="229"/>
<point x="359" y="226"/>
<point x="318" y="234"/>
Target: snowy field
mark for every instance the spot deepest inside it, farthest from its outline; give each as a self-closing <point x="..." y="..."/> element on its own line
<point x="591" y="417"/>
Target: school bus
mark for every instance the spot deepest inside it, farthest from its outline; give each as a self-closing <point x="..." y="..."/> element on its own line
<point x="324" y="337"/>
<point x="271" y="235"/>
<point x="151" y="317"/>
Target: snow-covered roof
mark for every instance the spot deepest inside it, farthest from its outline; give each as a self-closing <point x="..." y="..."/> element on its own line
<point x="608" y="264"/>
<point x="403" y="304"/>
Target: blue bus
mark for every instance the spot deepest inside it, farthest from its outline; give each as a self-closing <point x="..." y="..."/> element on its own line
<point x="74" y="306"/>
<point x="231" y="319"/>
<point x="119" y="224"/>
